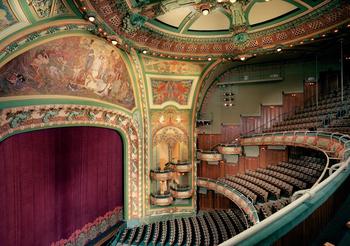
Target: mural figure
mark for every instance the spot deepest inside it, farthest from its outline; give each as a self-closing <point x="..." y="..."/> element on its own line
<point x="171" y="90"/>
<point x="93" y="70"/>
<point x="6" y="16"/>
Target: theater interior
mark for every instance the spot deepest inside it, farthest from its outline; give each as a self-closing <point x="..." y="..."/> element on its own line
<point x="174" y="122"/>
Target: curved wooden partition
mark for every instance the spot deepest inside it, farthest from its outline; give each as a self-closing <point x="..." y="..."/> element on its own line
<point x="283" y="221"/>
<point x="238" y="198"/>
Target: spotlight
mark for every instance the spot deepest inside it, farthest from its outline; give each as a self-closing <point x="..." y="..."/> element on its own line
<point x="91" y="18"/>
<point x="336" y="30"/>
<point x="114" y="42"/>
<point x="144" y="51"/>
<point x="279" y="49"/>
<point x="242" y="58"/>
<point x="205" y="11"/>
<point x="209" y="58"/>
<point x="323" y="35"/>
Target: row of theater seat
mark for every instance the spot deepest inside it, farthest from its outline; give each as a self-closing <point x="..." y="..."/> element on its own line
<point x="269" y="183"/>
<point x="209" y="228"/>
<point x="268" y="208"/>
<point x="329" y="109"/>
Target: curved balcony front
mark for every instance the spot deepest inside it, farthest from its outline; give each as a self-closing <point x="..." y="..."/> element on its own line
<point x="209" y="156"/>
<point x="227" y="149"/>
<point x="181" y="192"/>
<point x="161" y="175"/>
<point x="161" y="199"/>
<point x="182" y="166"/>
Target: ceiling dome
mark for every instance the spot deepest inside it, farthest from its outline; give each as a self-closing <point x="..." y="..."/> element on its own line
<point x="202" y="28"/>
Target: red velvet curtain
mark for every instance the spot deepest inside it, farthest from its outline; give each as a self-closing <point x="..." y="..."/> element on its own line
<point x="54" y="181"/>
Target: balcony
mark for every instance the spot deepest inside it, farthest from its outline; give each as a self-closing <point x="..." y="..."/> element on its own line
<point x="161" y="175"/>
<point x="212" y="157"/>
<point x="227" y="149"/>
<point x="181" y="192"/>
<point x="161" y="199"/>
<point x="182" y="166"/>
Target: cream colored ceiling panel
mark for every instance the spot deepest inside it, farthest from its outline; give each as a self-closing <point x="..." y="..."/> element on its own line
<point x="265" y="11"/>
<point x="176" y="16"/>
<point x="213" y="21"/>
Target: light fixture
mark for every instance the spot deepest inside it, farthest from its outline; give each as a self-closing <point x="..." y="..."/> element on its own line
<point x="209" y="58"/>
<point x="323" y="35"/>
<point x="219" y="1"/>
<point x="233" y="1"/>
<point x="279" y="49"/>
<point x="144" y="51"/>
<point x="312" y="39"/>
<point x="242" y="58"/>
<point x="114" y="42"/>
<point x="91" y="18"/>
<point x="205" y="11"/>
<point x="336" y="30"/>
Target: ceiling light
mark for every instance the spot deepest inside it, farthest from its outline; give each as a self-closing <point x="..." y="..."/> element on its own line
<point x="312" y="39"/>
<point x="336" y="30"/>
<point x="301" y="42"/>
<point x="279" y="49"/>
<point x="219" y="1"/>
<point x="242" y="58"/>
<point x="233" y="1"/>
<point x="144" y="51"/>
<point x="209" y="58"/>
<point x="114" y="42"/>
<point x="91" y="18"/>
<point x="323" y="35"/>
<point x="205" y="11"/>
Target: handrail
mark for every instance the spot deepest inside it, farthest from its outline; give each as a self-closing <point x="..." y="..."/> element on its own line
<point x="250" y="206"/>
<point x="239" y="238"/>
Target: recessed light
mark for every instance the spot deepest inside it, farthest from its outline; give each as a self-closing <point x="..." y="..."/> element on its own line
<point x="205" y="11"/>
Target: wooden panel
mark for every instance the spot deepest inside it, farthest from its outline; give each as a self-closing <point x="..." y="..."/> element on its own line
<point x="208" y="141"/>
<point x="309" y="93"/>
<point x="250" y="124"/>
<point x="292" y="102"/>
<point x="230" y="132"/>
<point x="273" y="157"/>
<point x="270" y="114"/>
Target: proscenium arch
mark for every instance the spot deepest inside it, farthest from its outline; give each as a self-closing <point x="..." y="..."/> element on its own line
<point x="104" y="118"/>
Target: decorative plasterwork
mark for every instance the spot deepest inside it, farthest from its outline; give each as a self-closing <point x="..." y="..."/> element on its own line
<point x="21" y="119"/>
<point x="316" y="20"/>
<point x="161" y="97"/>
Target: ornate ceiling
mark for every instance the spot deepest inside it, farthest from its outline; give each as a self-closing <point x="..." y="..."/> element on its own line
<point x="179" y="29"/>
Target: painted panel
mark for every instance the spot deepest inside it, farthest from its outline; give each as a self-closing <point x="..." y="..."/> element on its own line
<point x="48" y="8"/>
<point x="171" y="90"/>
<point x="162" y="66"/>
<point x="76" y="66"/>
<point x="7" y="18"/>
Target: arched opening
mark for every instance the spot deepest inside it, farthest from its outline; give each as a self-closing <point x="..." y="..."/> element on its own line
<point x="54" y="182"/>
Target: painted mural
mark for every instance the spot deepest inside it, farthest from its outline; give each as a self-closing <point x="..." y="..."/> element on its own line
<point x="162" y="66"/>
<point x="7" y="18"/>
<point x="164" y="90"/>
<point x="76" y="66"/>
<point x="46" y="8"/>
